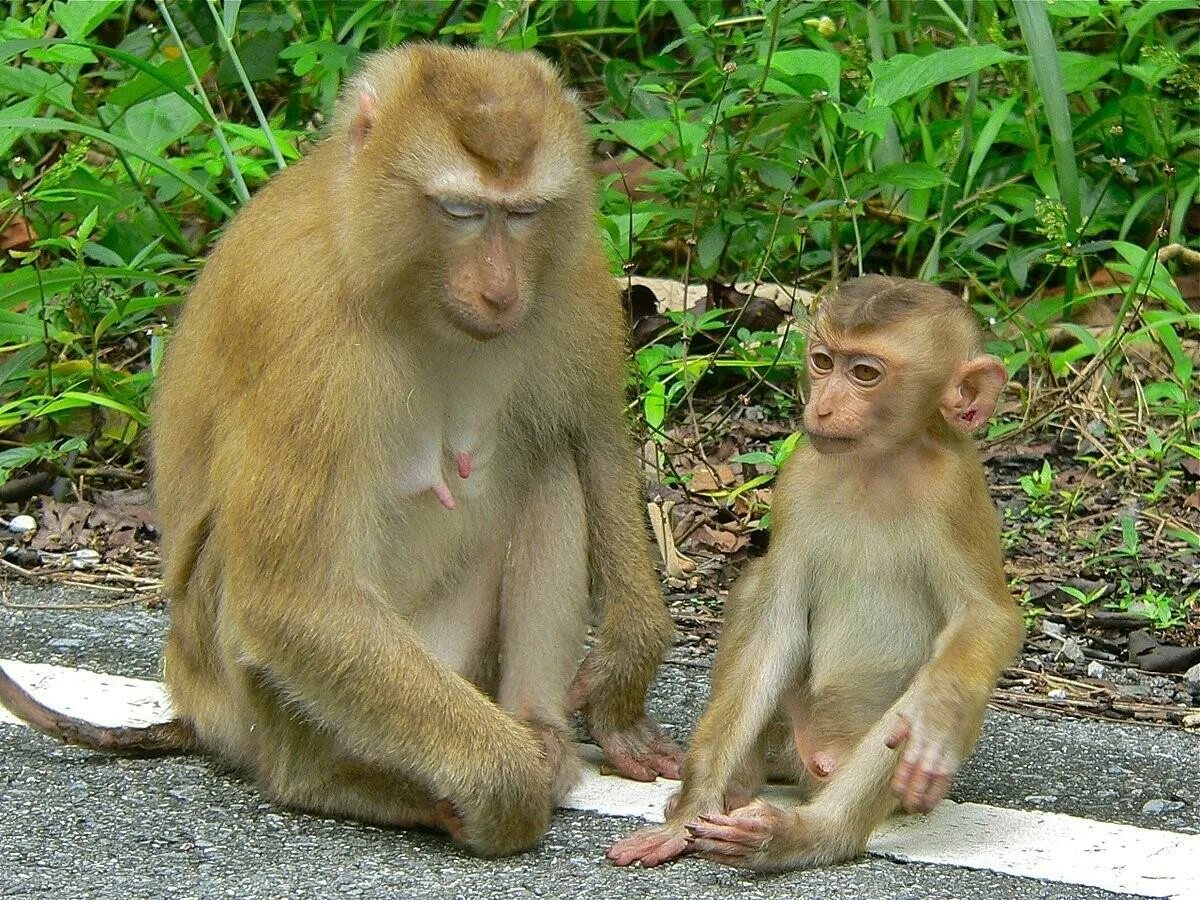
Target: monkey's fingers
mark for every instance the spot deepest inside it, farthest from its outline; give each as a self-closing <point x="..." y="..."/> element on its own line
<point x="923" y="778"/>
<point x="730" y="852"/>
<point x="900" y="733"/>
<point x="650" y="847"/>
<point x="747" y="834"/>
<point x="667" y="758"/>
<point x="641" y="752"/>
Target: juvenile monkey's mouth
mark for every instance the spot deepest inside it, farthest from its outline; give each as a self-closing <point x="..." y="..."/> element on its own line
<point x="827" y="444"/>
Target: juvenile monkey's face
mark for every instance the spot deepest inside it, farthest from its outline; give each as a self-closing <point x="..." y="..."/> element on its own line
<point x="848" y="388"/>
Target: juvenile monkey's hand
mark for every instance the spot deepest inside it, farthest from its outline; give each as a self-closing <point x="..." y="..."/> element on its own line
<point x="930" y="730"/>
<point x="640" y="750"/>
<point x="766" y="838"/>
<point x="650" y="846"/>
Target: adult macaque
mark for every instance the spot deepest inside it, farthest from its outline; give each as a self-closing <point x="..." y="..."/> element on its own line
<point x="392" y="471"/>
<point x="859" y="654"/>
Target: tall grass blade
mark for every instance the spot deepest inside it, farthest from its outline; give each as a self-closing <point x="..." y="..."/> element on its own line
<point x="236" y="60"/>
<point x="1047" y="74"/>
<point x="239" y="183"/>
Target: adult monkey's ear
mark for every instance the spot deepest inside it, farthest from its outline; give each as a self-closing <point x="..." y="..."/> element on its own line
<point x="366" y="111"/>
<point x="970" y="398"/>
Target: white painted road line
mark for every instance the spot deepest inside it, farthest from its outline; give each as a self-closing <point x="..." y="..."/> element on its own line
<point x="1040" y="845"/>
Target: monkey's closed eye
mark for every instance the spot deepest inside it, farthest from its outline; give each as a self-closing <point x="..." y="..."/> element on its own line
<point x="526" y="212"/>
<point x="459" y="210"/>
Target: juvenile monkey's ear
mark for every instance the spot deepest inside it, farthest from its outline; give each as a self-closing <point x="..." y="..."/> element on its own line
<point x="970" y="399"/>
<point x="362" y="119"/>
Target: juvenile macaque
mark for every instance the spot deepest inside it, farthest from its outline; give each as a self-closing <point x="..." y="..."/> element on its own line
<point x="392" y="472"/>
<point x="859" y="654"/>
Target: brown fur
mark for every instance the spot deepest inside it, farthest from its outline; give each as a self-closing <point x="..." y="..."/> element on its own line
<point x="880" y="617"/>
<point x="361" y="649"/>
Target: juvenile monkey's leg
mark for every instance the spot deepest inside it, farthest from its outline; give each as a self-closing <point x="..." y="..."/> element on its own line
<point x="762" y="648"/>
<point x="543" y="613"/>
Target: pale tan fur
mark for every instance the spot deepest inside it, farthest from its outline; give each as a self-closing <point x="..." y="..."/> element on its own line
<point x="880" y="608"/>
<point x="338" y="632"/>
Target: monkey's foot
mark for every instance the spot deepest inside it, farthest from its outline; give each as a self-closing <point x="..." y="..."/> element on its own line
<point x="641" y="752"/>
<point x="444" y="817"/>
<point x="650" y="846"/>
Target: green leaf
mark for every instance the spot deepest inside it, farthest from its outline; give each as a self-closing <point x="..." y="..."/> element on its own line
<point x="157" y="123"/>
<point x="874" y="121"/>
<point x="87" y="225"/>
<point x="904" y="75"/>
<point x="1083" y="70"/>
<point x="914" y="175"/>
<point x="77" y="400"/>
<point x="641" y="134"/>
<point x="153" y="80"/>
<point x="710" y="245"/>
<point x="16" y="111"/>
<point x="30" y="81"/>
<point x="27" y="283"/>
<point x="987" y="137"/>
<point x="654" y="404"/>
<point x="79" y="18"/>
<point x="819" y="63"/>
<point x="54" y="126"/>
<point x="755" y="458"/>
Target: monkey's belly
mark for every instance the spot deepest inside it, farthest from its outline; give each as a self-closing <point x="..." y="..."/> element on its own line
<point x="459" y="623"/>
<point x="864" y="654"/>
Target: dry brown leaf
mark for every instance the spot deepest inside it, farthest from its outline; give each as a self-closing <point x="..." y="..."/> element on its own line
<point x="677" y="565"/>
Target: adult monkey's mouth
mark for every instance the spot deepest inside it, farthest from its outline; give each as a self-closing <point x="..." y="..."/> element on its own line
<point x="828" y="444"/>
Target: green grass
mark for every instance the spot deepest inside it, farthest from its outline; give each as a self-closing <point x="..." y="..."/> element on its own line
<point x="1034" y="157"/>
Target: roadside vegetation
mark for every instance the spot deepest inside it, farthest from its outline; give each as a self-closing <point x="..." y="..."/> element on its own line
<point x="1040" y="159"/>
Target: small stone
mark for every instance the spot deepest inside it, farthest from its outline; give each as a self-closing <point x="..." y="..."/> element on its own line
<point x="1192" y="678"/>
<point x="1158" y="806"/>
<point x="84" y="559"/>
<point x="1135" y="691"/>
<point x="22" y="524"/>
<point x="65" y="644"/>
<point x="1072" y="650"/>
<point x="1095" y="669"/>
<point x="1057" y="694"/>
<point x="1054" y="629"/>
<point x="1041" y="799"/>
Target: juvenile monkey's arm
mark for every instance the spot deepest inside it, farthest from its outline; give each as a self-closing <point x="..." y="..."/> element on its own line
<point x="940" y="722"/>
<point x="633" y="629"/>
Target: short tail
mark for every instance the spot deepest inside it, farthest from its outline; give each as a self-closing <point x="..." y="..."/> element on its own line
<point x="161" y="739"/>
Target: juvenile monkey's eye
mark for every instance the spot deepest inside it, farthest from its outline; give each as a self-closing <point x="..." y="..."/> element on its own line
<point x="866" y="374"/>
<point x="459" y="210"/>
<point x="821" y="361"/>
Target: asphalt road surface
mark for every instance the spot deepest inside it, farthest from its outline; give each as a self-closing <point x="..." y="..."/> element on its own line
<point x="77" y="824"/>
